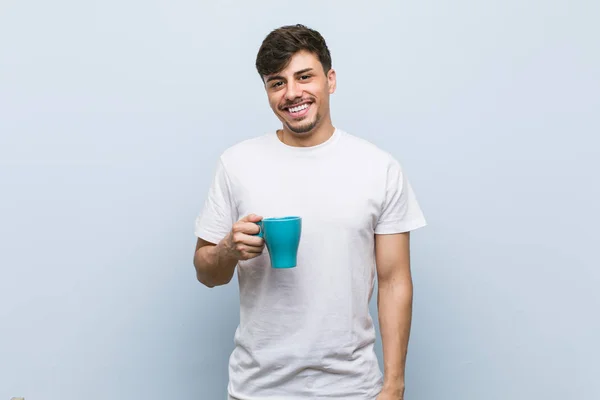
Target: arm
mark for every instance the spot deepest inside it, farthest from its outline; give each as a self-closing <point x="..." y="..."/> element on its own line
<point x="213" y="266"/>
<point x="215" y="263"/>
<point x="394" y="303"/>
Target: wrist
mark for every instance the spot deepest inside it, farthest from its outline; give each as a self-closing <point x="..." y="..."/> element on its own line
<point x="393" y="384"/>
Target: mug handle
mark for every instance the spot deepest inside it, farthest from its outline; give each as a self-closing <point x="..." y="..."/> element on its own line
<point x="260" y="229"/>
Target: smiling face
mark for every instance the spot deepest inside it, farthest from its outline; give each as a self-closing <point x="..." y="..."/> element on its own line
<point x="299" y="94"/>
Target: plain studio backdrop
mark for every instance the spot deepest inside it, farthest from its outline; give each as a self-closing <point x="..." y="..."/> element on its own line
<point x="113" y="114"/>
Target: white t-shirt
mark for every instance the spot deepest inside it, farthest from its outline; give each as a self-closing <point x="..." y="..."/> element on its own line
<point x="306" y="332"/>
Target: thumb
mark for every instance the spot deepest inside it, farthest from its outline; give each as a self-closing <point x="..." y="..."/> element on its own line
<point x="252" y="218"/>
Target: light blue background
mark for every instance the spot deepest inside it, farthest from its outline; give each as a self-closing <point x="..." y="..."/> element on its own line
<point x="112" y="116"/>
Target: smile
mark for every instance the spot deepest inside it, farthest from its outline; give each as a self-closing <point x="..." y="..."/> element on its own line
<point x="299" y="108"/>
<point x="298" y="111"/>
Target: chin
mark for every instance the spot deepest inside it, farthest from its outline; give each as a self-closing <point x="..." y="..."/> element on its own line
<point x="304" y="128"/>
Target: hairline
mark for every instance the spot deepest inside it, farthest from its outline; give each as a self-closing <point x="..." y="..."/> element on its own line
<point x="289" y="60"/>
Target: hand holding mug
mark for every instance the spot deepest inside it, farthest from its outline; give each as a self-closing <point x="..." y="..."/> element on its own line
<point x="242" y="242"/>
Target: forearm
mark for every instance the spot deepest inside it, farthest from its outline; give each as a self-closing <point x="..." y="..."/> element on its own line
<point x="394" y="301"/>
<point x="213" y="266"/>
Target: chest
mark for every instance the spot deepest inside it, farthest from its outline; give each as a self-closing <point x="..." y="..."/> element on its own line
<point x="333" y="196"/>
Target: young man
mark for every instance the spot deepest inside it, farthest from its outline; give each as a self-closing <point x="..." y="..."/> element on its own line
<point x="306" y="332"/>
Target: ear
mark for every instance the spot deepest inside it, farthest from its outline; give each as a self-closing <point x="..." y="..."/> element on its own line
<point x="331" y="81"/>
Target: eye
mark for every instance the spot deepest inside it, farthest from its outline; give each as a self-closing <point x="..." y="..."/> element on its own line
<point x="304" y="77"/>
<point x="277" y="84"/>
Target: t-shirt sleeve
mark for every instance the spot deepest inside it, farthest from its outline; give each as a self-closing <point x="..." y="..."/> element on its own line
<point x="219" y="211"/>
<point x="400" y="211"/>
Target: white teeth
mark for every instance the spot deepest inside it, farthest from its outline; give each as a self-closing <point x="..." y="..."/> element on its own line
<point x="299" y="108"/>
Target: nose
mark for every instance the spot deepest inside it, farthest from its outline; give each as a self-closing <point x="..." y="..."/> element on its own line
<point x="293" y="91"/>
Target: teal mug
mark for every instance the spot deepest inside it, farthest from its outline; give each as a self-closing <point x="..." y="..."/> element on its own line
<point x="282" y="239"/>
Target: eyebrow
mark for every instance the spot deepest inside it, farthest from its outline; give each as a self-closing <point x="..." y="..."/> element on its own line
<point x="279" y="77"/>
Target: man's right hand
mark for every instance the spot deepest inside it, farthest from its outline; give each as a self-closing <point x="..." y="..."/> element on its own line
<point x="240" y="244"/>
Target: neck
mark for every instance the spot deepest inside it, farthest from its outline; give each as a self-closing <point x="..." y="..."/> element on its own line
<point x="315" y="137"/>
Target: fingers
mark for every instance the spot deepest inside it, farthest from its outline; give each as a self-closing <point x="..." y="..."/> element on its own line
<point x="253" y="249"/>
<point x="243" y="244"/>
<point x="245" y="228"/>
<point x="249" y="228"/>
<point x="249" y="252"/>
<point x="251" y="218"/>
<point x="246" y="239"/>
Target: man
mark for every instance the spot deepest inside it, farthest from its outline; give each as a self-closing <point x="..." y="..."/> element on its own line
<point x="306" y="332"/>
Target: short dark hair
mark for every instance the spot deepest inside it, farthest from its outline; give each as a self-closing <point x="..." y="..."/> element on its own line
<point x="282" y="43"/>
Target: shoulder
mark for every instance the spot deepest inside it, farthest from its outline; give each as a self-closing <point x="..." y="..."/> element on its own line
<point x="245" y="150"/>
<point x="368" y="151"/>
